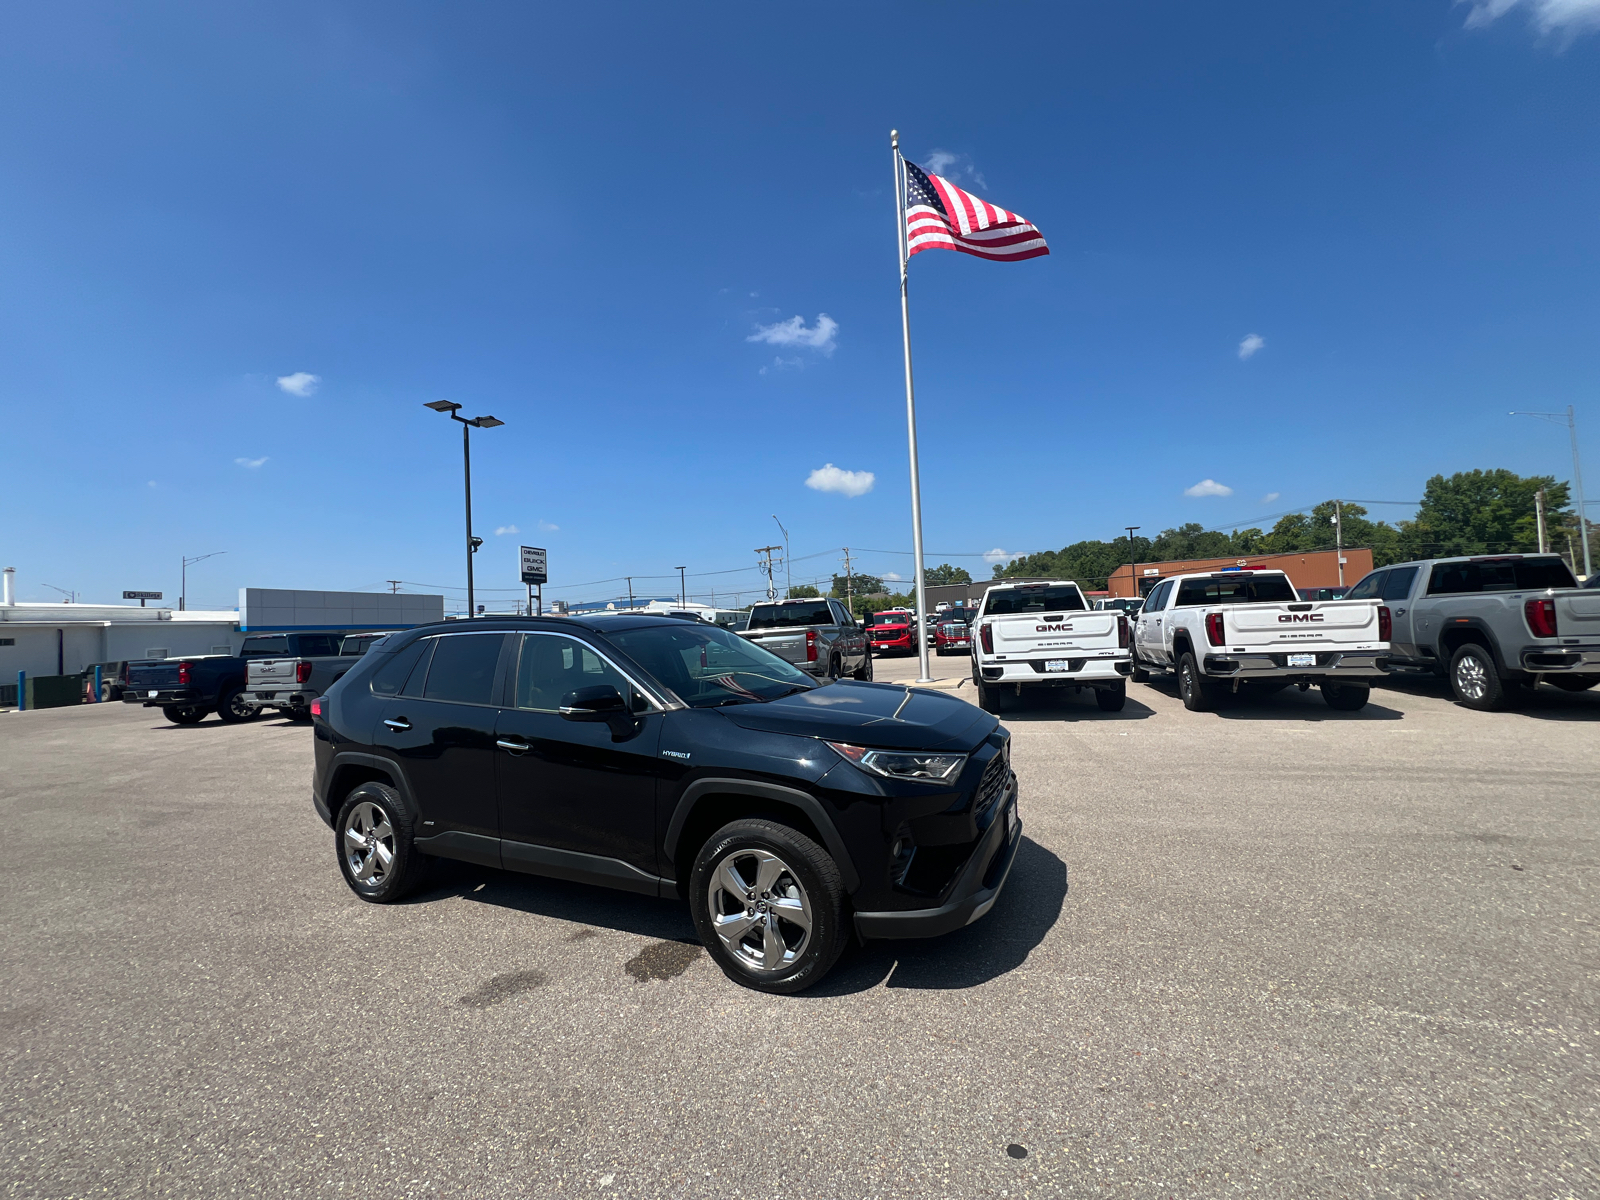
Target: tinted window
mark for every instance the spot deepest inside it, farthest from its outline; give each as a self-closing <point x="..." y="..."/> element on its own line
<point x="355" y="646"/>
<point x="1241" y="588"/>
<point x="552" y="665"/>
<point x="1398" y="585"/>
<point x="318" y="645"/>
<point x="1543" y="573"/>
<point x="462" y="670"/>
<point x="708" y="666"/>
<point x="1503" y="575"/>
<point x="266" y="647"/>
<point x="1034" y="599"/>
<point x="390" y="678"/>
<point x="783" y="616"/>
<point x="1371" y="587"/>
<point x="1158" y="601"/>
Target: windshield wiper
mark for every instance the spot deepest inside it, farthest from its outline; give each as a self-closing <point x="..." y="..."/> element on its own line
<point x="799" y="687"/>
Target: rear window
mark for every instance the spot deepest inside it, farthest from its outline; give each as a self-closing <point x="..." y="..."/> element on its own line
<point x="463" y="666"/>
<point x="318" y="645"/>
<point x="356" y="646"/>
<point x="1030" y="599"/>
<point x="1504" y="575"/>
<point x="265" y="647"/>
<point x="1235" y="589"/>
<point x="787" y="616"/>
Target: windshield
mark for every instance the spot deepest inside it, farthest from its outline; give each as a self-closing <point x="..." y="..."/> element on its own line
<point x="265" y="647"/>
<point x="1235" y="589"/>
<point x="785" y="616"/>
<point x="888" y="618"/>
<point x="1033" y="599"/>
<point x="708" y="666"/>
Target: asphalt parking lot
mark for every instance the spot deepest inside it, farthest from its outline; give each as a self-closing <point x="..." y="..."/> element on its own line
<point x="1276" y="951"/>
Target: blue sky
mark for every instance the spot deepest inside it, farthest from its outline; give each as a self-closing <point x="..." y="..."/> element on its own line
<point x="577" y="218"/>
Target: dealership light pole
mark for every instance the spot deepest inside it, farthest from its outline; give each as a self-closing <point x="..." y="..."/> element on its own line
<point x="183" y="591"/>
<point x="683" y="594"/>
<point x="1577" y="475"/>
<point x="1133" y="566"/>
<point x="454" y="411"/>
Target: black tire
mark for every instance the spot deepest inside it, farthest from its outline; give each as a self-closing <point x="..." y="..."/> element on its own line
<point x="1346" y="697"/>
<point x="386" y="882"/>
<point x="1199" y="694"/>
<point x="864" y="671"/>
<point x="1140" y="673"/>
<point x="809" y="877"/>
<point x="993" y="698"/>
<point x="183" y="714"/>
<point x="1111" y="699"/>
<point x="1572" y="683"/>
<point x="1474" y="680"/>
<point x="232" y="711"/>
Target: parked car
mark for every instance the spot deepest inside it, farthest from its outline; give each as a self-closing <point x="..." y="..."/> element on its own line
<point x="1034" y="637"/>
<point x="113" y="678"/>
<point x="893" y="629"/>
<point x="1127" y="605"/>
<point x="1491" y="624"/>
<point x="953" y="633"/>
<point x="187" y="689"/>
<point x="818" y="636"/>
<point x="1221" y="629"/>
<point x="291" y="684"/>
<point x="673" y="759"/>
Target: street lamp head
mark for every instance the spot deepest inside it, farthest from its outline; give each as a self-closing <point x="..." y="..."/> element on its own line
<point x="444" y="406"/>
<point x="486" y="422"/>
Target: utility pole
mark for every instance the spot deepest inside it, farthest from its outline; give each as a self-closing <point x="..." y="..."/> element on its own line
<point x="394" y="586"/>
<point x="683" y="592"/>
<point x="629" y="578"/>
<point x="1338" y="538"/>
<point x="849" y="587"/>
<point x="788" y="579"/>
<point x="1577" y="476"/>
<point x="1133" y="566"/>
<point x="1538" y="513"/>
<point x="766" y="564"/>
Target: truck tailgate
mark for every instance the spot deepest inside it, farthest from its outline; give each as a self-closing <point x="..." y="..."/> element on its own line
<point x="1328" y="622"/>
<point x="1026" y="633"/>
<point x="267" y="673"/>
<point x="1578" y="615"/>
<point x="158" y="676"/>
<point x="787" y="644"/>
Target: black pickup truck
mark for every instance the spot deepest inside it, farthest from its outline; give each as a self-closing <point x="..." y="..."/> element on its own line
<point x="186" y="689"/>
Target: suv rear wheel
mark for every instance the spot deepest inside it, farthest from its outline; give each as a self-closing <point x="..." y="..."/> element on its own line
<point x="768" y="904"/>
<point x="1474" y="680"/>
<point x="373" y="838"/>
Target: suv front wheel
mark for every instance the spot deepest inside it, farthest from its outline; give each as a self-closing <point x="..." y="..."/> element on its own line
<point x="768" y="904"/>
<point x="373" y="838"/>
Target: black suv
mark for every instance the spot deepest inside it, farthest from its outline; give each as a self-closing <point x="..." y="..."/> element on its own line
<point x="676" y="759"/>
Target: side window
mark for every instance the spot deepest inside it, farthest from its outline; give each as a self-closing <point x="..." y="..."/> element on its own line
<point x="316" y="645"/>
<point x="1452" y="578"/>
<point x="1398" y="585"/>
<point x="551" y="665"/>
<point x="1159" y="602"/>
<point x="1372" y="586"/>
<point x="390" y="679"/>
<point x="462" y="670"/>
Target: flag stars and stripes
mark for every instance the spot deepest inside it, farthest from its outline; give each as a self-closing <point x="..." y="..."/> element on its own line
<point x="940" y="216"/>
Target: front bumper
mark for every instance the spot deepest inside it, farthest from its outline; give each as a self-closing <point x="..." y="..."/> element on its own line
<point x="1336" y="664"/>
<point x="974" y="893"/>
<point x="1081" y="669"/>
<point x="1562" y="660"/>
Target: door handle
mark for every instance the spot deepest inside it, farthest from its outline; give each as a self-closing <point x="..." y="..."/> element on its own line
<point x="402" y="723"/>
<point x="1399" y="612"/>
<point x="516" y="746"/>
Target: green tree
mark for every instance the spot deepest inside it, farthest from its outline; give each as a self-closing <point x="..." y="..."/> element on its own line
<point x="943" y="574"/>
<point x="803" y="591"/>
<point x="861" y="585"/>
<point x="1481" y="512"/>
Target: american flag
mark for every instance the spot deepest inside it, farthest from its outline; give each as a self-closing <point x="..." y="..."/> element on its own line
<point x="940" y="216"/>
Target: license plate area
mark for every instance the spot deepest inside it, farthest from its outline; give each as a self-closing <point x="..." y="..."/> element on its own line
<point x="152" y="694"/>
<point x="1055" y="664"/>
<point x="1302" y="660"/>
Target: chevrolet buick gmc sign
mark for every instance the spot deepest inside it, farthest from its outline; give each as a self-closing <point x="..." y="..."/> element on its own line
<point x="533" y="565"/>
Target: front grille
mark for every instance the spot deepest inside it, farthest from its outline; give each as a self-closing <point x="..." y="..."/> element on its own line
<point x="993" y="785"/>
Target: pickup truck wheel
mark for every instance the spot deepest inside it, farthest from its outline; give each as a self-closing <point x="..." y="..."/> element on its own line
<point x="1111" y="699"/>
<point x="1346" y="697"/>
<point x="1474" y="680"/>
<point x="1139" y="673"/>
<point x="835" y="670"/>
<point x="992" y="698"/>
<point x="768" y="905"/>
<point x="232" y="710"/>
<point x="864" y="671"/>
<point x="373" y="838"/>
<point x="181" y="714"/>
<point x="1198" y="693"/>
<point x="1572" y="683"/>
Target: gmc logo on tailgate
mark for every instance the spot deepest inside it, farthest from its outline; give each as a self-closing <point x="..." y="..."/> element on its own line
<point x="1290" y="618"/>
<point x="1052" y="628"/>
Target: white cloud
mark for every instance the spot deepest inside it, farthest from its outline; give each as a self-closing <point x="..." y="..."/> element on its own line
<point x="783" y="364"/>
<point x="1251" y="343"/>
<point x="301" y="383"/>
<point x="548" y="527"/>
<point x="252" y="463"/>
<point x="892" y="577"/>
<point x="502" y="530"/>
<point x="1208" y="487"/>
<point x="152" y="483"/>
<point x="953" y="167"/>
<point x="1571" y="17"/>
<point x="829" y="478"/>
<point x="793" y="332"/>
<point x="1270" y="497"/>
<point x="998" y="555"/>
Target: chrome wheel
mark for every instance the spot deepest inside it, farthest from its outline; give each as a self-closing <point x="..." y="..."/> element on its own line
<point x="1472" y="677"/>
<point x="759" y="910"/>
<point x="368" y="844"/>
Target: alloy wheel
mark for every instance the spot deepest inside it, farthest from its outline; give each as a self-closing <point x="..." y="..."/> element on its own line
<point x="368" y="844"/>
<point x="1472" y="679"/>
<point x="759" y="910"/>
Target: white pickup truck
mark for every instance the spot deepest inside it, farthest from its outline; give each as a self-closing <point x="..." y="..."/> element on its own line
<point x="1043" y="635"/>
<point x="1235" y="626"/>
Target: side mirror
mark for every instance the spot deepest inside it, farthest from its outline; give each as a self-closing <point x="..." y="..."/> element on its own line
<point x="599" y="703"/>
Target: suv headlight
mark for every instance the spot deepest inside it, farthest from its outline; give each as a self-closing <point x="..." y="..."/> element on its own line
<point x="900" y="764"/>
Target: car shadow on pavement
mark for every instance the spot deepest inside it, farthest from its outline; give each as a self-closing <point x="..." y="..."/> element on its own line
<point x="1077" y="708"/>
<point x="1290" y="704"/>
<point x="994" y="946"/>
<point x="1544" y="703"/>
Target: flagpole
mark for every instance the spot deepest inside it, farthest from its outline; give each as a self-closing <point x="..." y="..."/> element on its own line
<point x="911" y="418"/>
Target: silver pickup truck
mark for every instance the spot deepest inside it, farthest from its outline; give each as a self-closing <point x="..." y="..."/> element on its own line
<point x="816" y="635"/>
<point x="291" y="684"/>
<point x="1493" y="625"/>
